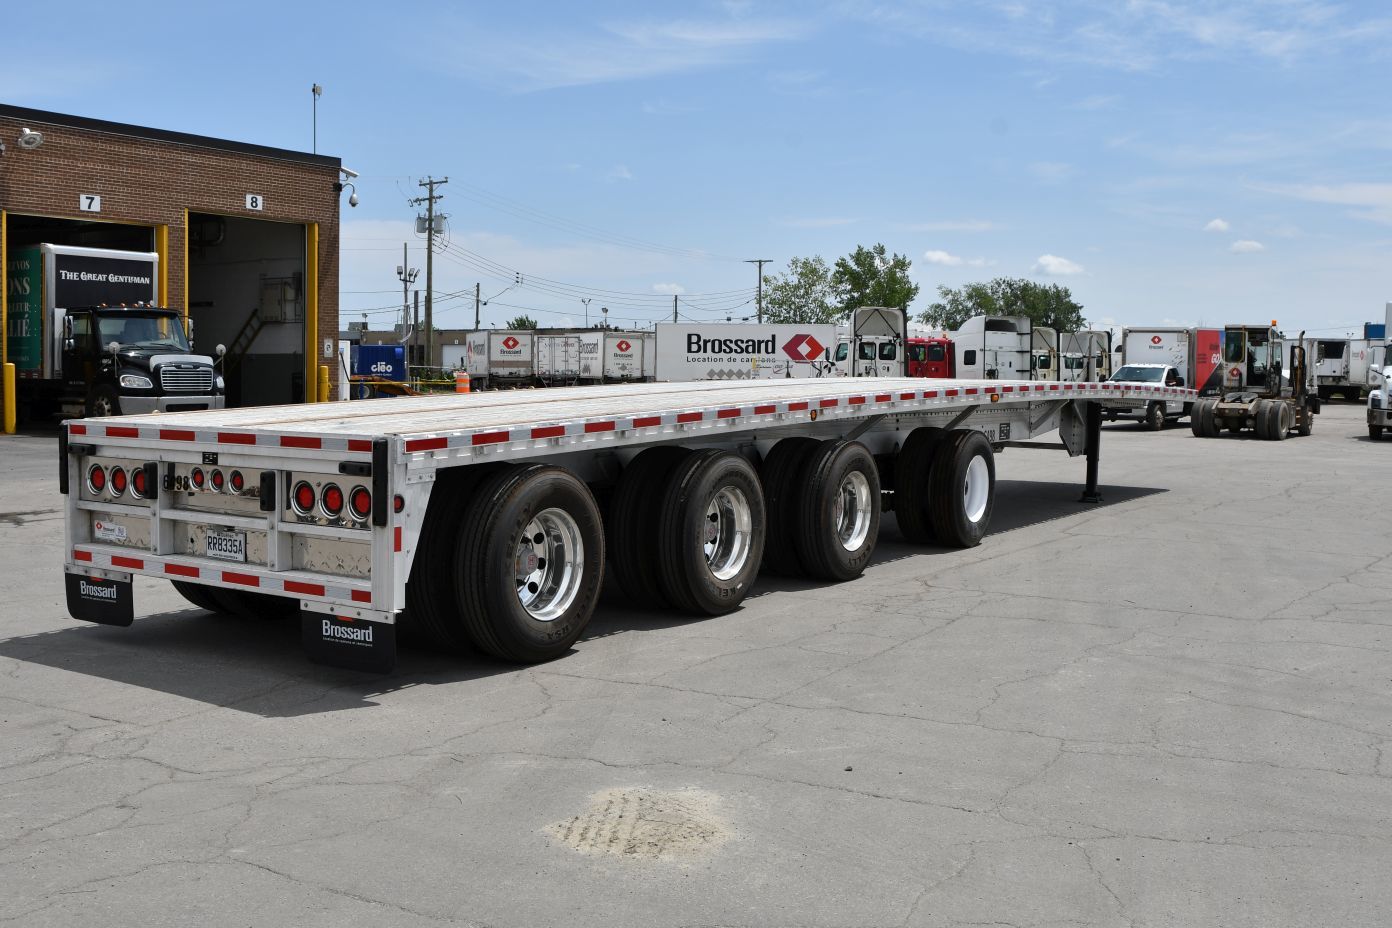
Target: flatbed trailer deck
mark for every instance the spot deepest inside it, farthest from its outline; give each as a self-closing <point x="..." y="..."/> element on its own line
<point x="352" y="512"/>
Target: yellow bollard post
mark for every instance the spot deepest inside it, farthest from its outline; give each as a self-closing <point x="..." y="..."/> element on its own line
<point x="9" y="388"/>
<point x="323" y="383"/>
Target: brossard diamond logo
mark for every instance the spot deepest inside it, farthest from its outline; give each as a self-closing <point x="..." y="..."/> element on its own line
<point x="623" y="345"/>
<point x="803" y="348"/>
<point x="510" y="342"/>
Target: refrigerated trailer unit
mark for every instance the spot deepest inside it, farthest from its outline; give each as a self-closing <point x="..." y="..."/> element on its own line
<point x="475" y="516"/>
<point x="501" y="358"/>
<point x="993" y="347"/>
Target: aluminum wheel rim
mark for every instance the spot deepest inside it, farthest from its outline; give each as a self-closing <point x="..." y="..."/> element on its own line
<point x="976" y="489"/>
<point x="851" y="511"/>
<point x="728" y="530"/>
<point x="550" y="564"/>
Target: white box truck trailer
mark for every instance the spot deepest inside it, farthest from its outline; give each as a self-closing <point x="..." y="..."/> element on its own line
<point x="725" y="351"/>
<point x="475" y="517"/>
<point x="502" y="358"/>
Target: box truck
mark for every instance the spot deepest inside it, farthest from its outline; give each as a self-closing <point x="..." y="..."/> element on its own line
<point x="86" y="336"/>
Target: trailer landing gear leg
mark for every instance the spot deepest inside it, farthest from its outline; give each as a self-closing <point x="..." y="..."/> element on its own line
<point x="1094" y="447"/>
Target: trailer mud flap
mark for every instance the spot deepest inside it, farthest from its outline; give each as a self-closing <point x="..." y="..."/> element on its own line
<point x="100" y="600"/>
<point x="356" y="645"/>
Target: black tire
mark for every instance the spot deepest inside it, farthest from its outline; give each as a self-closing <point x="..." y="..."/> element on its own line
<point x="781" y="474"/>
<point x="1154" y="419"/>
<point x="1306" y="423"/>
<point x="432" y="610"/>
<point x="1209" y="418"/>
<point x="204" y="597"/>
<point x="822" y="521"/>
<point x="1375" y="433"/>
<point x="913" y="468"/>
<point x="1279" y="424"/>
<point x="1196" y="418"/>
<point x="960" y="515"/>
<point x="506" y="505"/>
<point x="699" y="482"/>
<point x="103" y="401"/>
<point x="1261" y="420"/>
<point x="251" y="605"/>
<point x="633" y="525"/>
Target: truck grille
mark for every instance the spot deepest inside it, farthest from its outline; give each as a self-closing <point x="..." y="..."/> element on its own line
<point x="187" y="381"/>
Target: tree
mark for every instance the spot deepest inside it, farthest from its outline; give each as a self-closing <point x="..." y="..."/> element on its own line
<point x="521" y="322"/>
<point x="801" y="294"/>
<point x="867" y="277"/>
<point x="1046" y="305"/>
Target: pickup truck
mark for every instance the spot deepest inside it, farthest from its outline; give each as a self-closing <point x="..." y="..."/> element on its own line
<point x="1152" y="413"/>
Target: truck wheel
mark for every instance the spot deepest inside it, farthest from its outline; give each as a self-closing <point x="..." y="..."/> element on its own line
<point x="1154" y="419"/>
<point x="780" y="474"/>
<point x="103" y="401"/>
<point x="633" y="538"/>
<point x="1196" y="418"/>
<point x="962" y="486"/>
<point x="912" y="497"/>
<point x="431" y="607"/>
<point x="1375" y="433"/>
<point x="1261" y="419"/>
<point x="530" y="562"/>
<point x="711" y="532"/>
<point x="1210" y="420"/>
<point x="839" y="505"/>
<point x="204" y="597"/>
<point x="1278" y="426"/>
<point x="1305" y="423"/>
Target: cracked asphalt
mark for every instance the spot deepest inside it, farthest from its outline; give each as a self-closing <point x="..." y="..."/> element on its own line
<point x="1171" y="709"/>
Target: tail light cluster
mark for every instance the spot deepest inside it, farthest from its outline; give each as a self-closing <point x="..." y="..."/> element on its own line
<point x="330" y="501"/>
<point x="216" y="480"/>
<point x="119" y="482"/>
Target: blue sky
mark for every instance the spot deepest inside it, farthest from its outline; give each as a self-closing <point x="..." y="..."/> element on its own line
<point x="1170" y="162"/>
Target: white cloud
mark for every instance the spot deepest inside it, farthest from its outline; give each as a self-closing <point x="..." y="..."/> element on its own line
<point x="945" y="259"/>
<point x="817" y="222"/>
<point x="669" y="289"/>
<point x="953" y="225"/>
<point x="1374" y="201"/>
<point x="1051" y="171"/>
<point x="619" y="172"/>
<point x="1217" y="225"/>
<point x="1245" y="246"/>
<point x="540" y="59"/>
<point x="1054" y="266"/>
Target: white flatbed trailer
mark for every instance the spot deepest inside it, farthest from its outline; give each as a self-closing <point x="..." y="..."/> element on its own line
<point x="476" y="515"/>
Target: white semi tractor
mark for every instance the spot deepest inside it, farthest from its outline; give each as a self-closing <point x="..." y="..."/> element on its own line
<point x="476" y="518"/>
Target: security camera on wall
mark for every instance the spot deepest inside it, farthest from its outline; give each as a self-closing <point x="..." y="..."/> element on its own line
<point x="352" y="199"/>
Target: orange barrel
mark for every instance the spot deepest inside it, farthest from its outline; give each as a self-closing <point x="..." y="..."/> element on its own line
<point x="461" y="381"/>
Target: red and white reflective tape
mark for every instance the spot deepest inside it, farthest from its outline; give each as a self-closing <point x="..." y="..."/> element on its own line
<point x="243" y="577"/>
<point x="907" y="401"/>
<point x="223" y="437"/>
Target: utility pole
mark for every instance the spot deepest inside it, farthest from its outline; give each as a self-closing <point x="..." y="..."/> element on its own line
<point x="761" y="262"/>
<point x="430" y="183"/>
<point x="407" y="275"/>
<point x="476" y="306"/>
<point x="415" y="331"/>
<point x="674" y="307"/>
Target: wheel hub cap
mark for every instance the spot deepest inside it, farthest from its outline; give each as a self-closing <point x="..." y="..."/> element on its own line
<point x="728" y="531"/>
<point x="549" y="565"/>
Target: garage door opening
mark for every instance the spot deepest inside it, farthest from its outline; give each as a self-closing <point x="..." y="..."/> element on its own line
<point x="246" y="290"/>
<point x="41" y="230"/>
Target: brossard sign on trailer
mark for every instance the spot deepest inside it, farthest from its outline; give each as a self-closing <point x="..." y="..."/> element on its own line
<point x="721" y="351"/>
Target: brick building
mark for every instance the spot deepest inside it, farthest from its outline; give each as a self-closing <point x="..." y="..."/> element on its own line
<point x="247" y="235"/>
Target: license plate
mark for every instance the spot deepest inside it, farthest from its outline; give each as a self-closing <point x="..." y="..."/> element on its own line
<point x="227" y="546"/>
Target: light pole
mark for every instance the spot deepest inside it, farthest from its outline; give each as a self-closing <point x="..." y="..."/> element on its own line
<point x="315" y="91"/>
<point x="586" y="301"/>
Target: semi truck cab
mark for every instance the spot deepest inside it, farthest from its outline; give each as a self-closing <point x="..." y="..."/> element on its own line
<point x="117" y="360"/>
<point x="1379" y="408"/>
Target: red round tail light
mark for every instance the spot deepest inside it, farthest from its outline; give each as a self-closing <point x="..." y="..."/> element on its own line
<point x="138" y="483"/>
<point x="197" y="477"/>
<point x="303" y="498"/>
<point x="399" y="503"/>
<point x="96" y="478"/>
<point x="218" y="480"/>
<point x="118" y="481"/>
<point x="238" y="481"/>
<point x="332" y="500"/>
<point x="360" y="502"/>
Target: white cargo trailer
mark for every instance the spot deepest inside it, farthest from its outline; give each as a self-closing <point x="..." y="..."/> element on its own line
<point x="725" y="351"/>
<point x="475" y="517"/>
<point x="557" y="359"/>
<point x="499" y="358"/>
